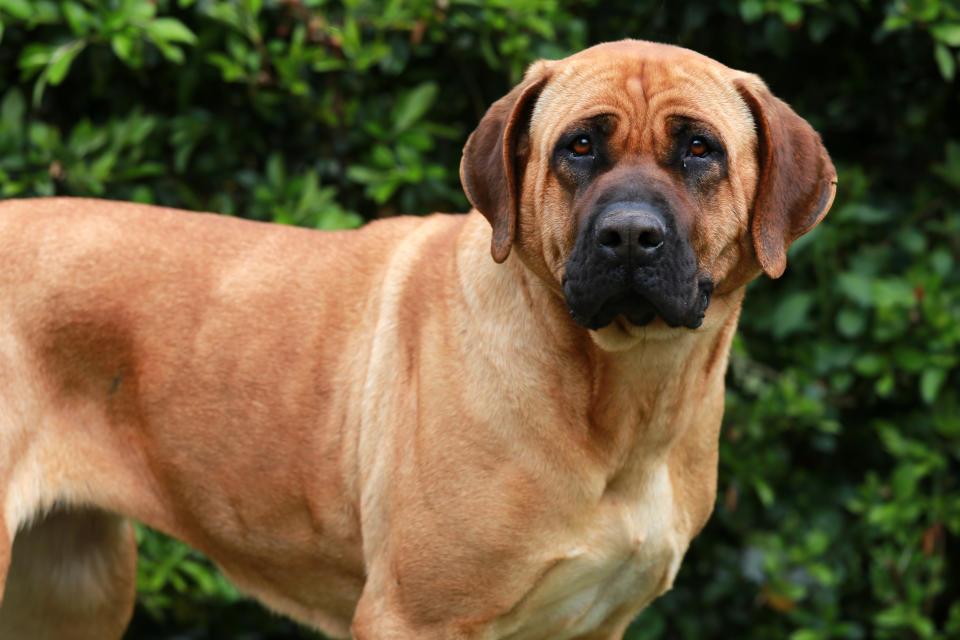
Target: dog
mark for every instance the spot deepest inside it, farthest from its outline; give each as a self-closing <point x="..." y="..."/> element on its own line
<point x="495" y="425"/>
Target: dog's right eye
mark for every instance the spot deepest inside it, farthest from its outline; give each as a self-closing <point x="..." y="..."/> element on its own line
<point x="579" y="155"/>
<point x="698" y="147"/>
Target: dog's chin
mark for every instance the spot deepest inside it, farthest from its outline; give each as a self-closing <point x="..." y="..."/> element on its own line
<point x="622" y="333"/>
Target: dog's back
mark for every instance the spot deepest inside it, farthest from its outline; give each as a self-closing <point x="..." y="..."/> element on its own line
<point x="126" y="328"/>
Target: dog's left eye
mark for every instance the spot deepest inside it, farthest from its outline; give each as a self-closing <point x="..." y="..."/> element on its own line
<point x="581" y="145"/>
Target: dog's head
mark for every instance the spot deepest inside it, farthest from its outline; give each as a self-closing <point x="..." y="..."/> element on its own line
<point x="637" y="178"/>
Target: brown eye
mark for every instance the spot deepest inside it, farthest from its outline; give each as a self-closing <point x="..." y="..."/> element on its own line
<point x="698" y="147"/>
<point x="582" y="146"/>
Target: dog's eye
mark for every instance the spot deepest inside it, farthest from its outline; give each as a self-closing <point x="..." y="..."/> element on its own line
<point x="698" y="147"/>
<point x="581" y="146"/>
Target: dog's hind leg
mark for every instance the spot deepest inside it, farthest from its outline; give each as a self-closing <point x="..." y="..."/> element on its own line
<point x="71" y="576"/>
<point x="4" y="558"/>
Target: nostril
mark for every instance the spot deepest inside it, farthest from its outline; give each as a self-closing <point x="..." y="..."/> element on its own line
<point x="609" y="237"/>
<point x="631" y="235"/>
<point x="650" y="238"/>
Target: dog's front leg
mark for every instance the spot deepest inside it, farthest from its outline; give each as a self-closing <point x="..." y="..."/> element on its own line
<point x="380" y="616"/>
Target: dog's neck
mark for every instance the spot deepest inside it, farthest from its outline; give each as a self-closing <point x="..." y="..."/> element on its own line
<point x="625" y="418"/>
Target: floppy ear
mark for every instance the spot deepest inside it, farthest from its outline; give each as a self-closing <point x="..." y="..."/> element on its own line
<point x="797" y="180"/>
<point x="495" y="156"/>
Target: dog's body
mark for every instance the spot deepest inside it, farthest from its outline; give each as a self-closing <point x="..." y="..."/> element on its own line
<point x="384" y="432"/>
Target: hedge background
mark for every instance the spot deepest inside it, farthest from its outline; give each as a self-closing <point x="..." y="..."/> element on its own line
<point x="838" y="514"/>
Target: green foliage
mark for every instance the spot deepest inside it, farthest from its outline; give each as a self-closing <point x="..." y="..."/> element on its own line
<point x="839" y="506"/>
<point x="169" y="570"/>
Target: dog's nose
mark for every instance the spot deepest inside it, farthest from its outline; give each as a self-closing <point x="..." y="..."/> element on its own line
<point x="631" y="235"/>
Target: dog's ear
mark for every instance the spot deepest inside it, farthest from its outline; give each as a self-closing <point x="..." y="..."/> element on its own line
<point x="797" y="180"/>
<point x="495" y="156"/>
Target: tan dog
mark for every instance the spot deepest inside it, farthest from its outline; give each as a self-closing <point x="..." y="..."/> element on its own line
<point x="385" y="432"/>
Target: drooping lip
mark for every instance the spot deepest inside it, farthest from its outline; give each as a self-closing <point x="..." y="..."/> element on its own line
<point x="634" y="307"/>
<point x="640" y="311"/>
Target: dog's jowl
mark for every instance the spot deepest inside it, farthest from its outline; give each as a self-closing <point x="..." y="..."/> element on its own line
<point x="502" y="424"/>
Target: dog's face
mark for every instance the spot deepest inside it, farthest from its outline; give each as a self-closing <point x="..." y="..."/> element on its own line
<point x="638" y="177"/>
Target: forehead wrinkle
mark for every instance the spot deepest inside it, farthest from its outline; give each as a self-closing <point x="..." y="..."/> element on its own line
<point x="573" y="89"/>
<point x="648" y="89"/>
<point x="706" y="97"/>
<point x="577" y="90"/>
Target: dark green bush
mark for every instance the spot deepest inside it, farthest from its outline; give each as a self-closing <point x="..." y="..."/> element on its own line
<point x="839" y="507"/>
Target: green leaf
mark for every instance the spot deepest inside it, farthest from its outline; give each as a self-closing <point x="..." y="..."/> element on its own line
<point x="945" y="61"/>
<point x="102" y="167"/>
<point x="895" y="22"/>
<point x="123" y="45"/>
<point x="751" y="10"/>
<point x="817" y="542"/>
<point x="253" y="7"/>
<point x="327" y="64"/>
<point x="134" y="129"/>
<point x="351" y="35"/>
<point x="884" y="386"/>
<point x="276" y="174"/>
<point x="913" y="241"/>
<point x="38" y="89"/>
<point x="764" y="492"/>
<point x="413" y="105"/>
<point x="336" y="218"/>
<point x="382" y="192"/>
<point x="822" y="574"/>
<point x="171" y="30"/>
<point x="170" y="52"/>
<point x="791" y="12"/>
<point x="309" y="192"/>
<point x="857" y="286"/>
<point x="142" y="194"/>
<point x="223" y="12"/>
<point x="948" y="33"/>
<point x="17" y="8"/>
<point x="133" y="11"/>
<point x="930" y="382"/>
<point x="43" y="136"/>
<point x="893" y="292"/>
<point x="85" y="138"/>
<point x="870" y="364"/>
<point x="230" y="71"/>
<point x="904" y="480"/>
<point x="61" y="60"/>
<point x="364" y="175"/>
<point x="792" y="314"/>
<point x="44" y="12"/>
<point x="941" y="261"/>
<point x="899" y="445"/>
<point x="77" y="17"/>
<point x="851" y="322"/>
<point x="382" y="156"/>
<point x="865" y="213"/>
<point x="34" y="57"/>
<point x="910" y="359"/>
<point x="12" y="110"/>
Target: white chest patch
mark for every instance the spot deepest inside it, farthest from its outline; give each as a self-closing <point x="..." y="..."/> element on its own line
<point x="628" y="555"/>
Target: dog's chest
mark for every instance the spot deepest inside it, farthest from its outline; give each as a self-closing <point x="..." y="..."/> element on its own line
<point x="612" y="566"/>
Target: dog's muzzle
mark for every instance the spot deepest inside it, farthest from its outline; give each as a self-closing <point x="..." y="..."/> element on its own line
<point x="632" y="259"/>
